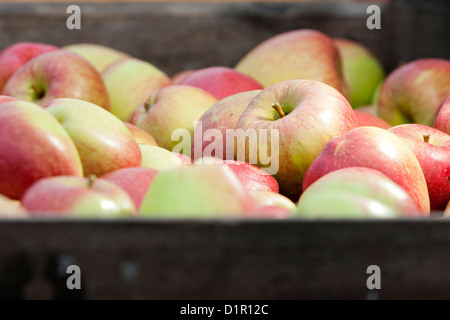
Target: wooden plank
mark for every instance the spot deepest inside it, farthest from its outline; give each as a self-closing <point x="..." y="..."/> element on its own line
<point x="179" y="36"/>
<point x="225" y="259"/>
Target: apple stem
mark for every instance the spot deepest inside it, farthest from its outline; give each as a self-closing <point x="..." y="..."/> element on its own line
<point x="91" y="180"/>
<point x="38" y="91"/>
<point x="426" y="138"/>
<point x="278" y="109"/>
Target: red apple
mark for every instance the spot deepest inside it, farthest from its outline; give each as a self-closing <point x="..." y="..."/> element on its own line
<point x="33" y="145"/>
<point x="221" y="116"/>
<point x="135" y="181"/>
<point x="58" y="74"/>
<point x="413" y="92"/>
<point x="15" y="56"/>
<point x="180" y="76"/>
<point x="432" y="149"/>
<point x="378" y="149"/>
<point x="442" y="121"/>
<point x="73" y="197"/>
<point x="367" y="119"/>
<point x="297" y="54"/>
<point x="252" y="177"/>
<point x="221" y="82"/>
<point x="305" y="115"/>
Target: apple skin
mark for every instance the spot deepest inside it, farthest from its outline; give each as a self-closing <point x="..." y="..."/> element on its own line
<point x="362" y="71"/>
<point x="180" y="76"/>
<point x="58" y="74"/>
<point x="447" y="210"/>
<point x="315" y="114"/>
<point x="129" y="83"/>
<point x="252" y="177"/>
<point x="16" y="55"/>
<point x="356" y="192"/>
<point x="33" y="145"/>
<point x="140" y="135"/>
<point x="135" y="181"/>
<point x="221" y="82"/>
<point x="11" y="209"/>
<point x="223" y="115"/>
<point x="367" y="119"/>
<point x="7" y="99"/>
<point x="442" y="121"/>
<point x="99" y="56"/>
<point x="159" y="158"/>
<point x="434" y="158"/>
<point x="272" y="212"/>
<point x="297" y="54"/>
<point x="198" y="191"/>
<point x="171" y="108"/>
<point x="103" y="141"/>
<point x="377" y="149"/>
<point x="413" y="92"/>
<point x="263" y="198"/>
<point x="74" y="197"/>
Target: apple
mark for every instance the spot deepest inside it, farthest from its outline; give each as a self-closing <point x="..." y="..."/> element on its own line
<point x="356" y="192"/>
<point x="16" y="55"/>
<point x="432" y="149"/>
<point x="11" y="209"/>
<point x="135" y="181"/>
<point x="33" y="145"/>
<point x="263" y="198"/>
<point x="413" y="92"/>
<point x="129" y="83"/>
<point x="370" y="108"/>
<point x="102" y="140"/>
<point x="306" y="114"/>
<point x="272" y="212"/>
<point x="377" y="149"/>
<point x="159" y="158"/>
<point x="362" y="71"/>
<point x="99" y="56"/>
<point x="199" y="191"/>
<point x="367" y="119"/>
<point x="180" y="76"/>
<point x="184" y="158"/>
<point x="252" y="177"/>
<point x="171" y="108"/>
<point x="442" y="121"/>
<point x="75" y="197"/>
<point x="7" y="99"/>
<point x="221" y="116"/>
<point x="447" y="210"/>
<point x="140" y="135"/>
<point x="57" y="74"/>
<point x="298" y="54"/>
<point x="221" y="82"/>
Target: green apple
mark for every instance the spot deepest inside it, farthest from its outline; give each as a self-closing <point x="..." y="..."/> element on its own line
<point x="158" y="158"/>
<point x="171" y="108"/>
<point x="263" y="198"/>
<point x="363" y="72"/>
<point x="356" y="192"/>
<point x="102" y="140"/>
<point x="99" y="56"/>
<point x="197" y="191"/>
<point x="11" y="209"/>
<point x="129" y="83"/>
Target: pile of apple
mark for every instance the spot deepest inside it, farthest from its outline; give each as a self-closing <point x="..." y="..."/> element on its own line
<point x="87" y="131"/>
